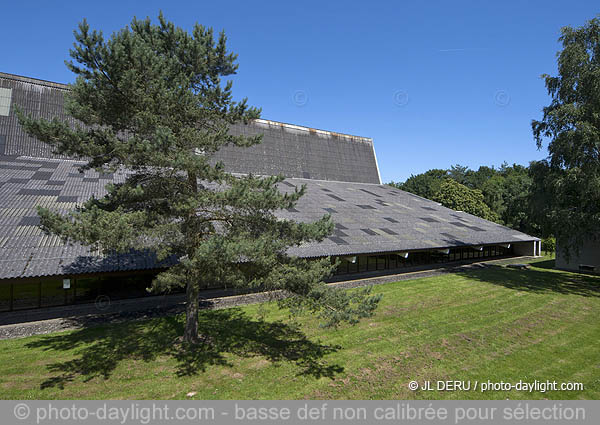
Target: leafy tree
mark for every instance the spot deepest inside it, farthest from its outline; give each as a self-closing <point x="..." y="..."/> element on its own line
<point x="567" y="183"/>
<point x="426" y="184"/>
<point x="459" y="173"/>
<point x="150" y="101"/>
<point x="459" y="197"/>
<point x="549" y="245"/>
<point x="493" y="190"/>
<point x="517" y="208"/>
<point x="506" y="191"/>
<point x="540" y="196"/>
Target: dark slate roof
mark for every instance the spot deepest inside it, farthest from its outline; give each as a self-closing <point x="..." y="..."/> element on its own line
<point x="290" y="150"/>
<point x="369" y="218"/>
<point x="373" y="218"/>
<point x="25" y="251"/>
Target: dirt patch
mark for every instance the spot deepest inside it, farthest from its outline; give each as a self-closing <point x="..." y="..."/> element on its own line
<point x="232" y="374"/>
<point x="260" y="364"/>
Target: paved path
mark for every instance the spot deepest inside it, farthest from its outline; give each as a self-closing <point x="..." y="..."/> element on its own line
<point x="33" y="322"/>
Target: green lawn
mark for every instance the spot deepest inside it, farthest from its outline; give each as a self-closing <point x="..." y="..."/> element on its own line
<point x="494" y="324"/>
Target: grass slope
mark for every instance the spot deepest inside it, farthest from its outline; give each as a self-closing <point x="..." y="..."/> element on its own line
<point x="494" y="324"/>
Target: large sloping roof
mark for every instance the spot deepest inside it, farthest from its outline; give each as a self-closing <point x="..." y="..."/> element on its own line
<point x="369" y="218"/>
<point x="373" y="218"/>
<point x="290" y="150"/>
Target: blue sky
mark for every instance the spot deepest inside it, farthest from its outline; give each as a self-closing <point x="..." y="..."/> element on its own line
<point x="433" y="83"/>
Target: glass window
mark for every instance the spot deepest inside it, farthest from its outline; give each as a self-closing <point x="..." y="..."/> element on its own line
<point x="371" y="263"/>
<point x="402" y="262"/>
<point x="362" y="263"/>
<point x="393" y="261"/>
<point x="418" y="260"/>
<point x="5" y="297"/>
<point x="118" y="287"/>
<point x="87" y="290"/>
<point x="381" y="262"/>
<point x="353" y="267"/>
<point x="438" y="257"/>
<point x="53" y="293"/>
<point x="342" y="267"/>
<point x="26" y="295"/>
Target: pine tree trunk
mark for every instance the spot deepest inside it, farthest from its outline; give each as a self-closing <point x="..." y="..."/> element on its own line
<point x="190" y="335"/>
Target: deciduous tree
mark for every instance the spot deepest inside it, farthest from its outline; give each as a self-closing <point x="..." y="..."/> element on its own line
<point x="567" y="183"/>
<point x="459" y="197"/>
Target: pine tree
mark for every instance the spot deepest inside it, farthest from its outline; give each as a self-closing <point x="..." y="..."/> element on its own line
<point x="150" y="100"/>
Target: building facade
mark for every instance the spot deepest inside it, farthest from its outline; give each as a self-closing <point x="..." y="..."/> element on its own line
<point x="586" y="259"/>
<point x="378" y="228"/>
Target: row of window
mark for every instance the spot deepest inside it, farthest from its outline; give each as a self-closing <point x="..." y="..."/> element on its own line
<point x="364" y="263"/>
<point x="48" y="293"/>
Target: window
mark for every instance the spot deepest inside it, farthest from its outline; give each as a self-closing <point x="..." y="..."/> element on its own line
<point x="393" y="261"/>
<point x="342" y="268"/>
<point x="5" y="297"/>
<point x="353" y="267"/>
<point x="87" y="290"/>
<point x="53" y="293"/>
<point x="362" y="263"/>
<point x="371" y="263"/>
<point x="26" y="295"/>
<point x="5" y="97"/>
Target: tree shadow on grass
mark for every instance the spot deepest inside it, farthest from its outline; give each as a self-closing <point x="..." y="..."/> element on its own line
<point x="538" y="279"/>
<point x="545" y="264"/>
<point x="99" y="350"/>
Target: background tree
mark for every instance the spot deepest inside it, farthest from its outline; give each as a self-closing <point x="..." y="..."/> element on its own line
<point x="459" y="173"/>
<point x="426" y="184"/>
<point x="505" y="190"/>
<point x="517" y="209"/>
<point x="567" y="183"/>
<point x="459" y="197"/>
<point x="149" y="100"/>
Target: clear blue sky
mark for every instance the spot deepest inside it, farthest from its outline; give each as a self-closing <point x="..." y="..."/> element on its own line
<point x="433" y="83"/>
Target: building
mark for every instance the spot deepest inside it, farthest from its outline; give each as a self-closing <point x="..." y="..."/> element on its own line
<point x="586" y="260"/>
<point x="378" y="227"/>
